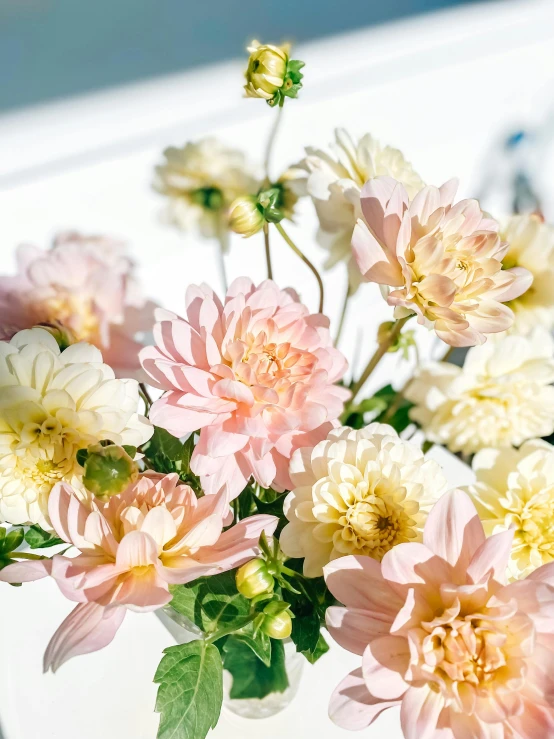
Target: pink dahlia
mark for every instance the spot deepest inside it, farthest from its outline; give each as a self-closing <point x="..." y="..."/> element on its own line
<point x="444" y="637"/>
<point x="442" y="261"/>
<point x="255" y="374"/>
<point x="85" y="283"/>
<point x="131" y="548"/>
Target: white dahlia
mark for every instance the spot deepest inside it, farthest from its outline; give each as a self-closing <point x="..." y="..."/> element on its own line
<point x="334" y="182"/>
<point x="501" y="397"/>
<point x="357" y="492"/>
<point x="515" y="490"/>
<point x="53" y="403"/>
<point x="532" y="247"/>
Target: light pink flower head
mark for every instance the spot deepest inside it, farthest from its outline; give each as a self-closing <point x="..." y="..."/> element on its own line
<point x="255" y="374"/>
<point x="442" y="260"/>
<point x="442" y="636"/>
<point x="155" y="534"/>
<point x="86" y="283"/>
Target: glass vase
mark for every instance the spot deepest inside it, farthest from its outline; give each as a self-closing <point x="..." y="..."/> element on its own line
<point x="183" y="631"/>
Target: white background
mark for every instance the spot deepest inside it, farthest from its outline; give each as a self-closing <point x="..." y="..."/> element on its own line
<point x="442" y="88"/>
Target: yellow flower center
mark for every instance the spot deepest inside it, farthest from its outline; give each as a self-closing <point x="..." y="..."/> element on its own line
<point x="71" y="310"/>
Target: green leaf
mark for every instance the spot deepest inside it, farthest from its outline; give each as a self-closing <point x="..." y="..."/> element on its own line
<point x="11" y="541"/>
<point x="251" y="677"/>
<point x="212" y="603"/>
<point x="167" y="454"/>
<point x="131" y="450"/>
<point x="81" y="456"/>
<point x="37" y="538"/>
<point x="321" y="648"/>
<point x="257" y="641"/>
<point x="191" y="690"/>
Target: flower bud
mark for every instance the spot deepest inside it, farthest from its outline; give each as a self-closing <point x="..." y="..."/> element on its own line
<point x="245" y="218"/>
<point x="64" y="336"/>
<point x="109" y="470"/>
<point x="267" y="68"/>
<point x="253" y="579"/>
<point x="277" y="622"/>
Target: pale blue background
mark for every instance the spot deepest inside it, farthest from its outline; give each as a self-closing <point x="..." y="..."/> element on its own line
<point x="53" y="48"/>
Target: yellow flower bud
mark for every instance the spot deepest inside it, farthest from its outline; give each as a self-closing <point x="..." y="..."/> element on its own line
<point x="267" y="69"/>
<point x="109" y="470"/>
<point x="245" y="218"/>
<point x="253" y="579"/>
<point x="277" y="621"/>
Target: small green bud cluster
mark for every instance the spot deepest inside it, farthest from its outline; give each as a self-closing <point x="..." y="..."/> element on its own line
<point x="108" y="469"/>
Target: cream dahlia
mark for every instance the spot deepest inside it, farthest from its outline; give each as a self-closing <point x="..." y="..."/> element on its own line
<point x="442" y="636"/>
<point x="334" y="182"/>
<point x="442" y="261"/>
<point x="255" y="374"/>
<point x="357" y="492"/>
<point x="85" y="283"/>
<point x="532" y="247"/>
<point x="201" y="180"/>
<point x="53" y="403"/>
<point x="515" y="490"/>
<point x="499" y="398"/>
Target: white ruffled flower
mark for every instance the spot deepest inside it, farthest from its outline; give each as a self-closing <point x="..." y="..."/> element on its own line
<point x="532" y="247"/>
<point x="515" y="489"/>
<point x="52" y="404"/>
<point x="201" y="180"/>
<point x="334" y="183"/>
<point x="357" y="492"/>
<point x="501" y="396"/>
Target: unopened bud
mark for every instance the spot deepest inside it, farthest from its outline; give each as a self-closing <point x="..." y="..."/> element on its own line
<point x="270" y="74"/>
<point x="253" y="579"/>
<point x="245" y="218"/>
<point x="109" y="470"/>
<point x="277" y="622"/>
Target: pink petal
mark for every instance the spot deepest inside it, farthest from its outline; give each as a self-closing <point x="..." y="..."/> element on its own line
<point x="376" y="195"/>
<point x="419" y="713"/>
<point x="354" y="628"/>
<point x="352" y="706"/>
<point x="238" y="544"/>
<point x="136" y="549"/>
<point x="492" y="555"/>
<point x="385" y="660"/>
<point x="412" y="564"/>
<point x="358" y="583"/>
<point x="371" y="258"/>
<point x="88" y="627"/>
<point x="26" y="571"/>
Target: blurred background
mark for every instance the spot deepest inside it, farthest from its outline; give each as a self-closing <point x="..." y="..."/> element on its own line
<point x="54" y="48"/>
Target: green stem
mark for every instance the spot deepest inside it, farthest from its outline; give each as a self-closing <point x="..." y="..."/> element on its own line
<point x="343" y="312"/>
<point x="222" y="269"/>
<point x="145" y="395"/>
<point x="384" y="346"/>
<point x="271" y="141"/>
<point x="230" y="630"/>
<point x="267" y="252"/>
<point x="306" y="261"/>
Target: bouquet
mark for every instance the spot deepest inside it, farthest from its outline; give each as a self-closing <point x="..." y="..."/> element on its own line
<point x="218" y="464"/>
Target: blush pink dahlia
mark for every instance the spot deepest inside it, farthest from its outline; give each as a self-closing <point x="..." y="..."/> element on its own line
<point x="255" y="374"/>
<point x="131" y="549"/>
<point x="442" y="261"/>
<point x="442" y="636"/>
<point x="85" y="283"/>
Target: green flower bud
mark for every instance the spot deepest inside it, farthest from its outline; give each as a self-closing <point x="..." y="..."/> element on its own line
<point x="253" y="579"/>
<point x="64" y="336"/>
<point x="271" y="75"/>
<point x="277" y="622"/>
<point x="109" y="470"/>
<point x="245" y="218"/>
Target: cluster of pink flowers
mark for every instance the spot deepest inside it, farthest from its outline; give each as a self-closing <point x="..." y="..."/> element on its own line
<point x="84" y="284"/>
<point x="131" y="548"/>
<point x="256" y="374"/>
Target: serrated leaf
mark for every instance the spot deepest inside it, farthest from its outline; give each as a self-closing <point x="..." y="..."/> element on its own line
<point x="251" y="677"/>
<point x="212" y="603"/>
<point x="191" y="690"/>
<point x="167" y="454"/>
<point x="321" y="648"/>
<point x="257" y="641"/>
<point x="11" y="541"/>
<point x="37" y="538"/>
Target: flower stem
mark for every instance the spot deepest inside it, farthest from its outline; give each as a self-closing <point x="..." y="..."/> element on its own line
<point x="347" y="295"/>
<point x="145" y="395"/>
<point x="267" y="252"/>
<point x="306" y="261"/>
<point x="230" y="630"/>
<point x="222" y="270"/>
<point x="271" y="141"/>
<point x="381" y="350"/>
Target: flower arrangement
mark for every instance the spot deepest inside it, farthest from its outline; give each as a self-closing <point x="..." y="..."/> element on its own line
<point x="220" y="464"/>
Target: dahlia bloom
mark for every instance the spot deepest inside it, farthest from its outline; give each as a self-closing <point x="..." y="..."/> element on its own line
<point x="201" y="180"/>
<point x="357" y="492"/>
<point x="442" y="635"/>
<point x="334" y="182"/>
<point x="54" y="403"/>
<point x="442" y="260"/>
<point x="255" y="375"/>
<point x="515" y="489"/>
<point x="132" y="548"/>
<point x="532" y="247"/>
<point x="85" y="283"/>
<point x="501" y="397"/>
